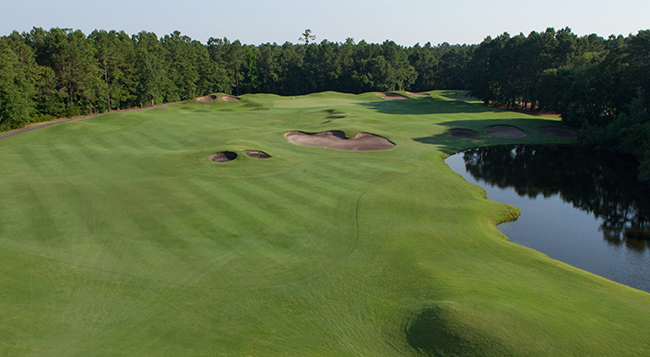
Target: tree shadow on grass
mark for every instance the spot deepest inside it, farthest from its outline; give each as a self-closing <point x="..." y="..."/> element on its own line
<point x="450" y="144"/>
<point x="426" y="105"/>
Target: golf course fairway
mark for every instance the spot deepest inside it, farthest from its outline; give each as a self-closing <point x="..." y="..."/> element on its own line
<point x="119" y="236"/>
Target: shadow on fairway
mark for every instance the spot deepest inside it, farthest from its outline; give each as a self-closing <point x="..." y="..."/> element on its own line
<point x="426" y="105"/>
<point x="450" y="144"/>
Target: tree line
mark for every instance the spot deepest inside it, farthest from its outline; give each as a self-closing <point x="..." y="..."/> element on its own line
<point x="63" y="73"/>
<point x="597" y="84"/>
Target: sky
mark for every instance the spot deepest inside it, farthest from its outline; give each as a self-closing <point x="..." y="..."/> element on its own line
<point x="258" y="21"/>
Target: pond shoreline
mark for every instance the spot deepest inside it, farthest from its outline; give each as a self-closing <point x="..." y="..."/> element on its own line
<point x="564" y="214"/>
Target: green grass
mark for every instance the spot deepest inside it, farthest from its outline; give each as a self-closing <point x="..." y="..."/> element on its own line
<point x="118" y="236"/>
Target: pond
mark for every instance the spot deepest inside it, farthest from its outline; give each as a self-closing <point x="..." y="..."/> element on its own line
<point x="581" y="207"/>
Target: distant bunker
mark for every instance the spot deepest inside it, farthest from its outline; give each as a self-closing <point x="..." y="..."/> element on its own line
<point x="418" y="94"/>
<point x="394" y="96"/>
<point x="257" y="154"/>
<point x="558" y="132"/>
<point x="223" y="156"/>
<point x="207" y="99"/>
<point x="463" y="133"/>
<point x="505" y="131"/>
<point x="213" y="98"/>
<point x="336" y="140"/>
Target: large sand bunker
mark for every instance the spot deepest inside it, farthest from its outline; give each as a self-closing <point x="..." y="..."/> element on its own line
<point x="505" y="131"/>
<point x="223" y="156"/>
<point x="393" y="96"/>
<point x="336" y="140"/>
<point x="257" y="154"/>
<point x="463" y="133"/>
<point x="559" y="132"/>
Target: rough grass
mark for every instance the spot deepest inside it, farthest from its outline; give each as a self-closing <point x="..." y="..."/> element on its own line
<point x="118" y="236"/>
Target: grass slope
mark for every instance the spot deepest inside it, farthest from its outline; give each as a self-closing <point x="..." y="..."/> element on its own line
<point x="118" y="236"/>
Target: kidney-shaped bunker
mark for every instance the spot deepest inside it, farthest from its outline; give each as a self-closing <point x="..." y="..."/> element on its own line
<point x="336" y="140"/>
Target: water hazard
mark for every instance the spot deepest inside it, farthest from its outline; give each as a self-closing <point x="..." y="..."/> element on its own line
<point x="583" y="208"/>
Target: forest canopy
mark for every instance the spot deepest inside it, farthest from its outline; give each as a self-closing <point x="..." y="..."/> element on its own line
<point x="599" y="85"/>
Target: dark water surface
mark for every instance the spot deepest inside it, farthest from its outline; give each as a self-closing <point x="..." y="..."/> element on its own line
<point x="583" y="208"/>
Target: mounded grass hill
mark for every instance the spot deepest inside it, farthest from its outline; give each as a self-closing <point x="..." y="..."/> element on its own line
<point x="119" y="236"/>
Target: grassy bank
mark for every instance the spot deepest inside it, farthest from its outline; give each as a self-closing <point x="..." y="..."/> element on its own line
<point x="118" y="236"/>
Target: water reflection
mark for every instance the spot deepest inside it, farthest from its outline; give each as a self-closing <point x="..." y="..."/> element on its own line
<point x="603" y="184"/>
<point x="583" y="208"/>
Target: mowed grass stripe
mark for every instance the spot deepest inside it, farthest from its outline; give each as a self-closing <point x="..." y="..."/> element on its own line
<point x="324" y="221"/>
<point x="32" y="164"/>
<point x="42" y="215"/>
<point x="227" y="193"/>
<point x="356" y="173"/>
<point x="159" y="245"/>
<point x="224" y="215"/>
<point x="69" y="157"/>
<point x="159" y="135"/>
<point x="127" y="143"/>
<point x="274" y="227"/>
<point x="161" y="140"/>
<point x="18" y="210"/>
<point x="145" y="144"/>
<point x="316" y="192"/>
<point x="58" y="230"/>
<point x="107" y="142"/>
<point x="86" y="160"/>
<point x="269" y="198"/>
<point x="46" y="159"/>
<point x="175" y="130"/>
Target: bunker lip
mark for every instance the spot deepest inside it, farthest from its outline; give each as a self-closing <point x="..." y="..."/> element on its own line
<point x="336" y="140"/>
<point x="393" y="96"/>
<point x="223" y="156"/>
<point x="558" y="132"/>
<point x="257" y="154"/>
<point x="505" y="131"/>
<point x="418" y="94"/>
<point x="463" y="133"/>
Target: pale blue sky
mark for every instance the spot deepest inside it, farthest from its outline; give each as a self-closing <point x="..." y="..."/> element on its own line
<point x="405" y="22"/>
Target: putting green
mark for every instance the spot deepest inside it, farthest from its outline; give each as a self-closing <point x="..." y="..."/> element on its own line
<point x="119" y="236"/>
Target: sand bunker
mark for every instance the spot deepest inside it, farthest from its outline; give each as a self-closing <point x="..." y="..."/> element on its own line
<point x="207" y="99"/>
<point x="213" y="98"/>
<point x="223" y="156"/>
<point x="336" y="140"/>
<point x="463" y="133"/>
<point x="418" y="94"/>
<point x="393" y="96"/>
<point x="257" y="154"/>
<point x="559" y="132"/>
<point x="505" y="131"/>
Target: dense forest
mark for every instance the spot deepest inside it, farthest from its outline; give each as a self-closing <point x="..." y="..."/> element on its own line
<point x="598" y="85"/>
